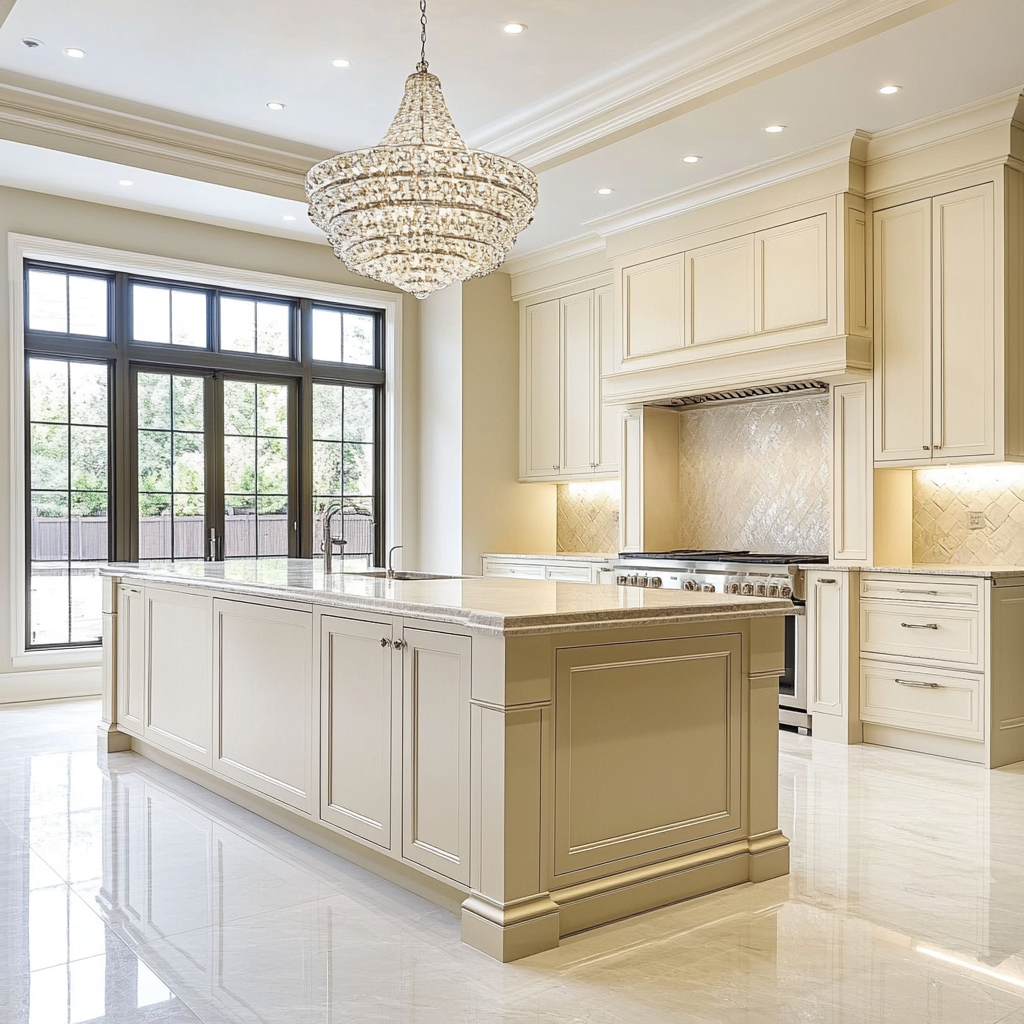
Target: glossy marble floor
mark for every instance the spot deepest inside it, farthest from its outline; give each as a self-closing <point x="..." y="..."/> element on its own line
<point x="128" y="894"/>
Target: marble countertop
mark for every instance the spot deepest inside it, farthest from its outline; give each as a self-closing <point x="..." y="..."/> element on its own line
<point x="506" y="607"/>
<point x="992" y="572"/>
<point x="557" y="556"/>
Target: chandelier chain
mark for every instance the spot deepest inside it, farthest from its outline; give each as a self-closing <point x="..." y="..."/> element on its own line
<point x="422" y="66"/>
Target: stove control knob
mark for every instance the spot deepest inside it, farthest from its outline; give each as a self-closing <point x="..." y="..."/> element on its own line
<point x="708" y="588"/>
<point x="748" y="589"/>
<point x="733" y="588"/>
<point x="785" y="591"/>
<point x="773" y="590"/>
<point x="622" y="581"/>
<point x="634" y="581"/>
<point x="642" y="581"/>
<point x="690" y="585"/>
<point x="655" y="581"/>
<point x="761" y="590"/>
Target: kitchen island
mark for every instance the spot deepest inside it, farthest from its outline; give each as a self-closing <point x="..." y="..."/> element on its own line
<point x="542" y="757"/>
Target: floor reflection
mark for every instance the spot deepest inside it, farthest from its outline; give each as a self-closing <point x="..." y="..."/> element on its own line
<point x="130" y="895"/>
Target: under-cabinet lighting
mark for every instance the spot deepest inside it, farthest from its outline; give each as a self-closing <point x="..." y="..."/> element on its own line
<point x="977" y="968"/>
<point x="961" y="478"/>
<point x="594" y="489"/>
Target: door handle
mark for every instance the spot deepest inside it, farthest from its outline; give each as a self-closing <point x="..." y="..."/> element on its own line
<point x="924" y="686"/>
<point x="826" y="581"/>
<point x="919" y="625"/>
<point x="933" y="593"/>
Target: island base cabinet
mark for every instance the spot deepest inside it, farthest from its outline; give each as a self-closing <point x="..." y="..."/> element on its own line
<point x="435" y="748"/>
<point x="178" y="664"/>
<point x="263" y="700"/>
<point x="131" y="659"/>
<point x="360" y="685"/>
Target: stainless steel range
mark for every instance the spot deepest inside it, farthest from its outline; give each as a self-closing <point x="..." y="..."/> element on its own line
<point x="736" y="572"/>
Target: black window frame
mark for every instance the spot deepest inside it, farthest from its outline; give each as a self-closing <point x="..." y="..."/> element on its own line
<point x="126" y="357"/>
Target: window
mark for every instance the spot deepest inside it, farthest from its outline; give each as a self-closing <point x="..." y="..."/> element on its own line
<point x="197" y="423"/>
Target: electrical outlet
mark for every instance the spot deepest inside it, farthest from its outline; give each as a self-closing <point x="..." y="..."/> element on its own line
<point x="977" y="520"/>
<point x="615" y="516"/>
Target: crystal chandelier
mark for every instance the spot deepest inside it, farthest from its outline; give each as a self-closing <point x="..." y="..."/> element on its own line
<point x="421" y="210"/>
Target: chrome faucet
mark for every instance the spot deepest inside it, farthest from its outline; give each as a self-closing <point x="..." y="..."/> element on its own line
<point x="330" y="545"/>
<point x="391" y="555"/>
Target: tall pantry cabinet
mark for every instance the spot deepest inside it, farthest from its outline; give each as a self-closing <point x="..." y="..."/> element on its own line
<point x="948" y="325"/>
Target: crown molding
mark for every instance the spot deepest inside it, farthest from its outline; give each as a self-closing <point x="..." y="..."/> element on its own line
<point x="687" y="73"/>
<point x="32" y="111"/>
<point x="836" y="153"/>
<point x="553" y="255"/>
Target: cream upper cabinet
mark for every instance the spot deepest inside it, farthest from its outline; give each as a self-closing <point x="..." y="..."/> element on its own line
<point x="791" y="275"/>
<point x="565" y="431"/>
<point x="720" y="291"/>
<point x="653" y="302"/>
<point x="937" y="353"/>
<point x="540" y="400"/>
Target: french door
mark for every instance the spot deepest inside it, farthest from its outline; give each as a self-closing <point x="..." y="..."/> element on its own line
<point x="214" y="464"/>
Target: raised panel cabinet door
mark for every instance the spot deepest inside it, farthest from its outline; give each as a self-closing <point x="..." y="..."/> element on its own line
<point x="131" y="659"/>
<point x="542" y="435"/>
<point x="903" y="329"/>
<point x="578" y="375"/>
<point x="607" y="429"/>
<point x="648" y="748"/>
<point x="631" y="470"/>
<point x="653" y="295"/>
<point x="720" y="290"/>
<point x="179" y="684"/>
<point x="435" y="751"/>
<point x="792" y="275"/>
<point x="356" y="716"/>
<point x="852" y="495"/>
<point x="264" y="694"/>
<point x="963" y="308"/>
<point x="827" y="639"/>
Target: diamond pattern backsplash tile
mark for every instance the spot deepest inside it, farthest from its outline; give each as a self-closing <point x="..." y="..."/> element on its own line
<point x="943" y="502"/>
<point x="755" y="476"/>
<point x="587" y="517"/>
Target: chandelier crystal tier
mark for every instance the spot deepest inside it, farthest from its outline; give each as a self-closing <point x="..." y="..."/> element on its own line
<point x="421" y="210"/>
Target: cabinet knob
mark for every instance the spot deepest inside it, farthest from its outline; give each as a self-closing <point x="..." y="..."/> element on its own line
<point x="398" y="645"/>
<point x="926" y="447"/>
<point x="385" y="642"/>
<point x="554" y="467"/>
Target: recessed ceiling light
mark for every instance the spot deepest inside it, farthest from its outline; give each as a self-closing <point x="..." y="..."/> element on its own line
<point x="340" y="62"/>
<point x="126" y="182"/>
<point x="73" y="51"/>
<point x="274" y="105"/>
<point x="31" y="43"/>
<point x="513" y="28"/>
<point x="774" y="129"/>
<point x="889" y="90"/>
<point x="605" y="191"/>
<point x="691" y="159"/>
<point x="287" y="216"/>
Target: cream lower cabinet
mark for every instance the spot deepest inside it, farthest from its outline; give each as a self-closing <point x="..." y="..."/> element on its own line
<point x="263" y="697"/>
<point x="565" y="430"/>
<point x="832" y="631"/>
<point x="948" y="328"/>
<point x="395" y="704"/>
<point x="940" y="665"/>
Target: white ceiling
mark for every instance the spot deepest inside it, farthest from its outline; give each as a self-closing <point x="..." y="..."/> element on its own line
<point x="203" y="60"/>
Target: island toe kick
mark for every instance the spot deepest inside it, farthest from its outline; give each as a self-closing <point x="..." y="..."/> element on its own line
<point x="549" y="782"/>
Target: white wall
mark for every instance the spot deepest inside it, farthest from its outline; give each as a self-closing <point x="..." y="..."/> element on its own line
<point x="92" y="224"/>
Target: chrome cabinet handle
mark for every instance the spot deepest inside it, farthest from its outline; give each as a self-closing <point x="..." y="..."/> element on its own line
<point x="385" y="642"/>
<point x="398" y="645"/>
<point x="934" y="593"/>
<point x="826" y="581"/>
<point x="919" y="625"/>
<point x="923" y="686"/>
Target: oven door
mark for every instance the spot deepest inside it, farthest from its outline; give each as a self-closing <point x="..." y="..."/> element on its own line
<point x="793" y="682"/>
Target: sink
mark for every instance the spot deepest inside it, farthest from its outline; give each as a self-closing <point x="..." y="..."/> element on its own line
<point x="403" y="574"/>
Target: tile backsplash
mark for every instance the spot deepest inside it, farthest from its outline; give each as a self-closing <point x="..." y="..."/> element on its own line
<point x="587" y="517"/>
<point x="755" y="476"/>
<point x="943" y="502"/>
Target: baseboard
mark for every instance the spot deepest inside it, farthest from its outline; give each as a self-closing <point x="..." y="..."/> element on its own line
<point x="50" y="684"/>
<point x="926" y="743"/>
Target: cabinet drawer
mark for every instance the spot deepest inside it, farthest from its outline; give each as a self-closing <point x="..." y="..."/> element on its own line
<point x="905" y="697"/>
<point x="569" y="573"/>
<point x="911" y="589"/>
<point x="519" y="570"/>
<point x="920" y="631"/>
